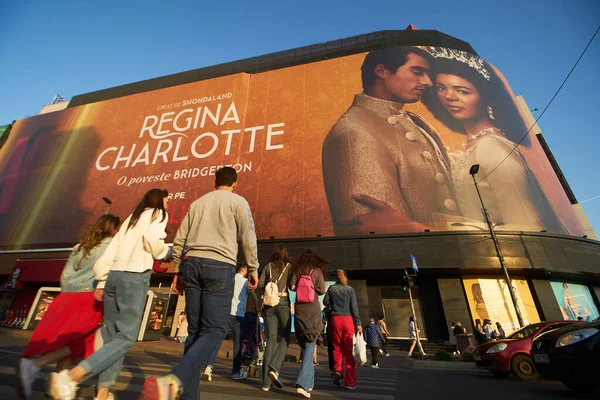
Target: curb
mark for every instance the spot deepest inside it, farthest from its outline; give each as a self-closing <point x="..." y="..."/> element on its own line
<point x="444" y="365"/>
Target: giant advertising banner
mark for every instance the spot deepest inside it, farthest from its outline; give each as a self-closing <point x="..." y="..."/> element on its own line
<point x="376" y="142"/>
<point x="575" y="301"/>
<point x="490" y="299"/>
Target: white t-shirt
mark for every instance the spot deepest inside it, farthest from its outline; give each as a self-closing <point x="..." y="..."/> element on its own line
<point x="411" y="330"/>
<point x="453" y="339"/>
<point x="240" y="296"/>
<point x="489" y="331"/>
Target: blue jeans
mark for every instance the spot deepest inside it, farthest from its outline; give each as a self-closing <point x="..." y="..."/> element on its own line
<point x="306" y="377"/>
<point x="208" y="294"/>
<point x="277" y="317"/>
<point x="236" y="335"/>
<point x="124" y="302"/>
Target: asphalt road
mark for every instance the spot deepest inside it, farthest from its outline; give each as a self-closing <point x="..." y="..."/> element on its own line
<point x="387" y="383"/>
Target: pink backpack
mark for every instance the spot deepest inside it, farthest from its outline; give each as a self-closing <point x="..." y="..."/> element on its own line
<point x="305" y="292"/>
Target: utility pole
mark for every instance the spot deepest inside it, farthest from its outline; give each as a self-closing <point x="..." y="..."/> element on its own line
<point x="474" y="169"/>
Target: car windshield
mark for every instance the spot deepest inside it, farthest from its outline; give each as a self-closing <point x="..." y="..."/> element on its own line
<point x="526" y="332"/>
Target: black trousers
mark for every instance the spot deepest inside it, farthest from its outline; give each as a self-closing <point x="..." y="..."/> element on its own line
<point x="384" y="345"/>
<point x="375" y="355"/>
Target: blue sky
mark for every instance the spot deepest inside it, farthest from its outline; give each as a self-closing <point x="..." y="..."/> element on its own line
<point x="74" y="47"/>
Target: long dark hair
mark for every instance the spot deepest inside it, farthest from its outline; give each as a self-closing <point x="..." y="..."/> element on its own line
<point x="152" y="199"/>
<point x="106" y="226"/>
<point x="308" y="261"/>
<point x="493" y="93"/>
<point x="280" y="256"/>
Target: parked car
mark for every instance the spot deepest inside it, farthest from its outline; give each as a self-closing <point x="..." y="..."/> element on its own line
<point x="512" y="354"/>
<point x="570" y="355"/>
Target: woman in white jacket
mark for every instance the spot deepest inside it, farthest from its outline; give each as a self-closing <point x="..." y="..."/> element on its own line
<point x="123" y="273"/>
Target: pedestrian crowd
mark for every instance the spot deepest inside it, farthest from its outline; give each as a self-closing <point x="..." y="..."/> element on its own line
<point x="482" y="333"/>
<point x="106" y="279"/>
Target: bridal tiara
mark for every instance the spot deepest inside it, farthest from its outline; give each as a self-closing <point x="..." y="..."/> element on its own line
<point x="462" y="56"/>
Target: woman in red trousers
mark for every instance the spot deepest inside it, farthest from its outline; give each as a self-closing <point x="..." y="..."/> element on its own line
<point x="344" y="323"/>
<point x="69" y="329"/>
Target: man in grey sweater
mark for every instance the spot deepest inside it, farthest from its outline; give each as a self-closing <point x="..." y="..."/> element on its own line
<point x="206" y="247"/>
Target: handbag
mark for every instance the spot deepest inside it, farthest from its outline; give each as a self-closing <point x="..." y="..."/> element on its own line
<point x="359" y="350"/>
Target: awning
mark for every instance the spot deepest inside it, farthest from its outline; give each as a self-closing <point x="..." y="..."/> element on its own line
<point x="36" y="271"/>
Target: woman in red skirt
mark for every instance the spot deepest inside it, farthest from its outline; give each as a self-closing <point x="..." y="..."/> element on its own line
<point x="69" y="329"/>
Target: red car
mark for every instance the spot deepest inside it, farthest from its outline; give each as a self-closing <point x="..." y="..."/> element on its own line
<point x="512" y="354"/>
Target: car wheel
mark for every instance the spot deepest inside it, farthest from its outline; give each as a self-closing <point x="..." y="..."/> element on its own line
<point x="499" y="374"/>
<point x="581" y="385"/>
<point x="523" y="368"/>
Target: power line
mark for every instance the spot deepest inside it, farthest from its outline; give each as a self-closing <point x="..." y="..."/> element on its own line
<point x="593" y="198"/>
<point x="548" y="105"/>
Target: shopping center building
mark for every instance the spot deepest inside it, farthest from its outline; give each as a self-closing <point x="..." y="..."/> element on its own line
<point x="305" y="139"/>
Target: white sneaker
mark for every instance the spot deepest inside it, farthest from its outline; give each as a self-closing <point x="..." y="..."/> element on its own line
<point x="387" y="354"/>
<point x="26" y="374"/>
<point x="302" y="392"/>
<point x="61" y="386"/>
<point x="375" y="366"/>
<point x="274" y="376"/>
<point x="240" y="375"/>
<point x="207" y="374"/>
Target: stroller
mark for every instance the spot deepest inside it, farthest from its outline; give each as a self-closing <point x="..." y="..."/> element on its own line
<point x="253" y="344"/>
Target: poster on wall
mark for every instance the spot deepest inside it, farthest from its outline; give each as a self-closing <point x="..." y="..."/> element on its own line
<point x="43" y="300"/>
<point x="490" y="299"/>
<point x="156" y="317"/>
<point x="374" y="142"/>
<point x="575" y="301"/>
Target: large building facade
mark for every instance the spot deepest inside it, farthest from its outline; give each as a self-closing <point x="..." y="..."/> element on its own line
<point x="359" y="149"/>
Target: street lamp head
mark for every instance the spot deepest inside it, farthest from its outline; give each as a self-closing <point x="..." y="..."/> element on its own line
<point x="474" y="169"/>
<point x="106" y="200"/>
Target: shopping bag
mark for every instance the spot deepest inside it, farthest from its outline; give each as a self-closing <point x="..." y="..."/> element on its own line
<point x="359" y="350"/>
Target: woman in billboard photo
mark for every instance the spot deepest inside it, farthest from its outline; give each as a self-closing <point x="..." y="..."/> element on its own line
<point x="470" y="98"/>
<point x="123" y="273"/>
<point x="68" y="329"/>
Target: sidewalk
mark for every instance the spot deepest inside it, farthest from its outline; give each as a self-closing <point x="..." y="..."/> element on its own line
<point x="433" y="364"/>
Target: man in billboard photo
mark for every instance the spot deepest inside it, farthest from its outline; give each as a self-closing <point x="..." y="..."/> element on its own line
<point x="471" y="99"/>
<point x="386" y="169"/>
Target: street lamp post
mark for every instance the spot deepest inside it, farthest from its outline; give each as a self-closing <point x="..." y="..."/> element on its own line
<point x="473" y="171"/>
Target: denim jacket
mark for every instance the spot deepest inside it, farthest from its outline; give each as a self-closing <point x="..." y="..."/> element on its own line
<point x="78" y="274"/>
<point x="341" y="300"/>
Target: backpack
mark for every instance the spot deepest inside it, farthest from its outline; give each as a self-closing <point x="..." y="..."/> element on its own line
<point x="305" y="292"/>
<point x="272" y="294"/>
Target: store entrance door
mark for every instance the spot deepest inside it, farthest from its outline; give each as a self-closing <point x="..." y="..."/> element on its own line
<point x="397" y="311"/>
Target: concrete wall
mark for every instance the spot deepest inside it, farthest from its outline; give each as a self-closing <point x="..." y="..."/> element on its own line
<point x="455" y="303"/>
<point x="362" y="297"/>
<point x="550" y="310"/>
<point x="452" y="250"/>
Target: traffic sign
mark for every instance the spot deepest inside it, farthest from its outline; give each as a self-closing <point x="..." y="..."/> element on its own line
<point x="414" y="263"/>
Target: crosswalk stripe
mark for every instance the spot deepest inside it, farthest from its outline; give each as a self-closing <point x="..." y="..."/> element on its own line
<point x="379" y="387"/>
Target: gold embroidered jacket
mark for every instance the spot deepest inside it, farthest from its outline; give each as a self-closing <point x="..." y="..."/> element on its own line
<point x="380" y="150"/>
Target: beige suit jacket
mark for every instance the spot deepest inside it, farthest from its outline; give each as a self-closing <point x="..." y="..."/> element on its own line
<point x="380" y="150"/>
